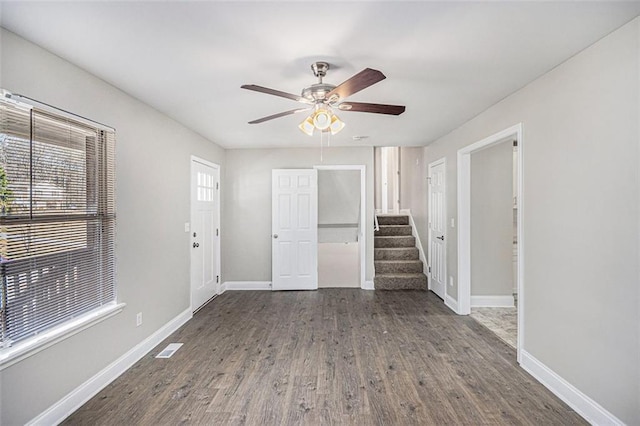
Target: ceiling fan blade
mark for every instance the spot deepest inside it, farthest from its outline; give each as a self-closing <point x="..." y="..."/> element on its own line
<point x="278" y="115"/>
<point x="362" y="80"/>
<point x="274" y="92"/>
<point x="374" y="108"/>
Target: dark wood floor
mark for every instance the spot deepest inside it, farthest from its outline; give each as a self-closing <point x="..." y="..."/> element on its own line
<point x="333" y="356"/>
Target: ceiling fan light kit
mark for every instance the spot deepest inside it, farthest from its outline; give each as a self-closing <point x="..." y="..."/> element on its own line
<point x="323" y="97"/>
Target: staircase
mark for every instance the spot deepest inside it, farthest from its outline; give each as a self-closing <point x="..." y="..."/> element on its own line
<point x="396" y="258"/>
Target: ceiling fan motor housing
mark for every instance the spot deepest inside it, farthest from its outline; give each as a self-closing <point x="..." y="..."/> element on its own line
<point x="317" y="92"/>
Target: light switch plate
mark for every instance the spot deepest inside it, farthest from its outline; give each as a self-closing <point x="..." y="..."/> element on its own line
<point x="186" y="227"/>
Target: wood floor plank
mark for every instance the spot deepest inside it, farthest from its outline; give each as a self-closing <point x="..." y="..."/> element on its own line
<point x="328" y="357"/>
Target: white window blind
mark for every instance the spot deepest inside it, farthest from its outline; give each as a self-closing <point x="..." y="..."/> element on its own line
<point x="57" y="220"/>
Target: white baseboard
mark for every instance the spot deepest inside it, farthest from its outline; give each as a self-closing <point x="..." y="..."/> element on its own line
<point x="492" y="302"/>
<point x="368" y="285"/>
<point x="245" y="285"/>
<point x="593" y="412"/>
<point x="75" y="399"/>
<point x="451" y="303"/>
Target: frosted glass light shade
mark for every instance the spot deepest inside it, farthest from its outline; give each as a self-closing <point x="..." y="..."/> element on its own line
<point x="307" y="126"/>
<point x="336" y="124"/>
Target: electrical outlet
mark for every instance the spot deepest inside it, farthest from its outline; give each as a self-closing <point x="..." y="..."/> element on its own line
<point x="138" y="319"/>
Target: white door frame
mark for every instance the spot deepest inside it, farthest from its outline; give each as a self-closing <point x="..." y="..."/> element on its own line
<point x="362" y="236"/>
<point x="217" y="240"/>
<point x="464" y="224"/>
<point x="442" y="161"/>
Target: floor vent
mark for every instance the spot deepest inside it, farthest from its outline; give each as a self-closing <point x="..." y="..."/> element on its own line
<point x="169" y="350"/>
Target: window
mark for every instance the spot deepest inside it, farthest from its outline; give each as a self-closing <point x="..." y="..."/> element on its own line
<point x="57" y="220"/>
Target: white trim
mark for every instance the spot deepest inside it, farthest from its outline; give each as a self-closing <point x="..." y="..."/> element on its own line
<point x="245" y="285"/>
<point x="76" y="398"/>
<point x="21" y="350"/>
<point x="368" y="285"/>
<point x="464" y="224"/>
<point x="205" y="162"/>
<point x="364" y="228"/>
<point x="593" y="412"/>
<point x="492" y="302"/>
<point x="437" y="162"/>
<point x="451" y="303"/>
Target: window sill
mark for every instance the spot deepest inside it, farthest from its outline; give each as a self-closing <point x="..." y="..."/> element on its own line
<point x="22" y="350"/>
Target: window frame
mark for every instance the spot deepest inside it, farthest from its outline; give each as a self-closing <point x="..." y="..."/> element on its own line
<point x="74" y="323"/>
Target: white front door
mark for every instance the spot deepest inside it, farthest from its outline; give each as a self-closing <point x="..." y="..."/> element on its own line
<point x="294" y="226"/>
<point x="204" y="232"/>
<point x="437" y="228"/>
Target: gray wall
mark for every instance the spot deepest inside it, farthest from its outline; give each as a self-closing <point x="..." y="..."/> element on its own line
<point x="492" y="221"/>
<point x="152" y="249"/>
<point x="581" y="207"/>
<point x="247" y="204"/>
<point x="338" y="196"/>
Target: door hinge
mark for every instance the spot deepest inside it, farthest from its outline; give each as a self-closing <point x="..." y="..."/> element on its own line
<point x="217" y="278"/>
<point x="217" y="185"/>
<point x="217" y="232"/>
<point x="429" y="269"/>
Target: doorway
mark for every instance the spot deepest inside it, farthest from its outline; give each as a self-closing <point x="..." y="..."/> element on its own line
<point x="341" y="219"/>
<point x="468" y="211"/>
<point x="388" y="180"/>
<point x="204" y="231"/>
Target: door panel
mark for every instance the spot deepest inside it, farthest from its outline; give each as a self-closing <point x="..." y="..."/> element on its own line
<point x="294" y="229"/>
<point x="437" y="228"/>
<point x="205" y="239"/>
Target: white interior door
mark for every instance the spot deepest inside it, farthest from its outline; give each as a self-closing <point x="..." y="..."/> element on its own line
<point x="205" y="232"/>
<point x="437" y="228"/>
<point x="294" y="227"/>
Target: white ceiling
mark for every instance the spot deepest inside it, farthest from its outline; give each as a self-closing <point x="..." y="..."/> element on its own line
<point x="446" y="61"/>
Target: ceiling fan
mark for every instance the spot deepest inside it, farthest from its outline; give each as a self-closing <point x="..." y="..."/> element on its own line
<point x="321" y="98"/>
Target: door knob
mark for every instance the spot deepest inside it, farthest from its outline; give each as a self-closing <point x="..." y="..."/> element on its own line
<point x="441" y="238"/>
<point x="196" y="245"/>
<point x="275" y="235"/>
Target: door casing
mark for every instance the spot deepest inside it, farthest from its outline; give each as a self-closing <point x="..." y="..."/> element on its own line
<point x="464" y="225"/>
